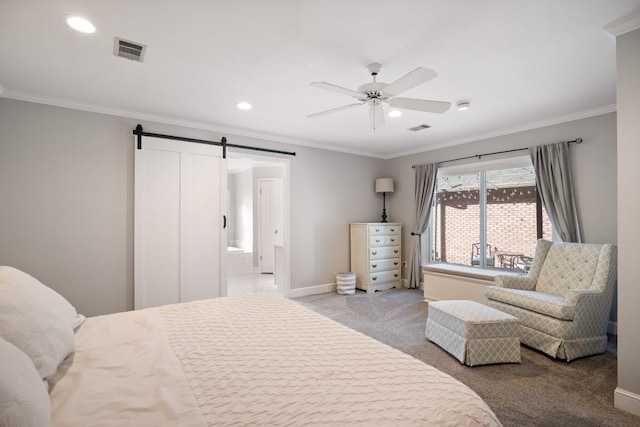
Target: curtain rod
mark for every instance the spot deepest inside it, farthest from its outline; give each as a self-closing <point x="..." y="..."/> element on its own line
<point x="479" y="156"/>
<point x="223" y="143"/>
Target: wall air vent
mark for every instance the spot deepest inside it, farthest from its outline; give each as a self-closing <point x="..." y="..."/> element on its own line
<point x="419" y="127"/>
<point x="128" y="49"/>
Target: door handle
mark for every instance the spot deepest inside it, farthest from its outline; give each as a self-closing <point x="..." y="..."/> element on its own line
<point x="224" y="221"/>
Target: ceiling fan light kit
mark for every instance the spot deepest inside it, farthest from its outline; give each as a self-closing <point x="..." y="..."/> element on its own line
<point x="463" y="105"/>
<point x="375" y="94"/>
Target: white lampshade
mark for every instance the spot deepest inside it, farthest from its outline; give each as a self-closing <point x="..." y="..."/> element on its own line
<point x="384" y="185"/>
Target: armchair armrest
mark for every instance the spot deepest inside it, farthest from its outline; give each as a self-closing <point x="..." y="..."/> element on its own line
<point x="591" y="311"/>
<point x="515" y="282"/>
<point x="575" y="297"/>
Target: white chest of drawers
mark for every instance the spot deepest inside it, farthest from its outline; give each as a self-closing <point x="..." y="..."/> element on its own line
<point x="376" y="255"/>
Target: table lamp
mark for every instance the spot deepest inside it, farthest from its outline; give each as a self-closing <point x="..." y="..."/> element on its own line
<point x="384" y="186"/>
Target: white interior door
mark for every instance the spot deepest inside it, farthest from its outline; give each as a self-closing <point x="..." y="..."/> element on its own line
<point x="180" y="239"/>
<point x="157" y="228"/>
<point x="277" y="212"/>
<point x="266" y="229"/>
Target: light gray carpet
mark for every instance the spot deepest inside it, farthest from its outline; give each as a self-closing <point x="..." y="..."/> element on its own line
<point x="538" y="392"/>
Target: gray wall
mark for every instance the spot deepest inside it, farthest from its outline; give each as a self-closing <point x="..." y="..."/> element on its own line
<point x="628" y="46"/>
<point x="593" y="167"/>
<point x="66" y="182"/>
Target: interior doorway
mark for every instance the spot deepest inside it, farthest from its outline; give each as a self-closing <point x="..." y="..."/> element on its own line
<point x="258" y="253"/>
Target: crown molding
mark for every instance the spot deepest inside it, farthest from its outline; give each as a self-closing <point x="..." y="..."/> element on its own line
<point x="623" y="25"/>
<point x="225" y="130"/>
<point x="211" y="127"/>
<point x="509" y="131"/>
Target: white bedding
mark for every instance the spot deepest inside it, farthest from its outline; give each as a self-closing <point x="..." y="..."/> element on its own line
<point x="248" y="360"/>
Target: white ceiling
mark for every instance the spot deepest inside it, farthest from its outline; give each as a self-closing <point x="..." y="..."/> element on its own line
<point x="521" y="63"/>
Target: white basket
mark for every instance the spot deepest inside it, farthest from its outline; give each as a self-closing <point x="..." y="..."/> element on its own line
<point x="346" y="283"/>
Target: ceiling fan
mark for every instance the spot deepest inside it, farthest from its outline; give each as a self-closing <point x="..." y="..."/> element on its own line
<point x="376" y="93"/>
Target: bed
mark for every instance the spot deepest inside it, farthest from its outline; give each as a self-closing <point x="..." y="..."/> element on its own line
<point x="246" y="360"/>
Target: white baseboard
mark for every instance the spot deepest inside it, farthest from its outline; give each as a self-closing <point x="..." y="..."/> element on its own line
<point x="311" y="290"/>
<point x="613" y="328"/>
<point x="627" y="401"/>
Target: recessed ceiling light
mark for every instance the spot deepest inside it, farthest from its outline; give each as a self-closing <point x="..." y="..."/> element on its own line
<point x="394" y="113"/>
<point x="80" y="24"/>
<point x="463" y="106"/>
<point x="244" y="106"/>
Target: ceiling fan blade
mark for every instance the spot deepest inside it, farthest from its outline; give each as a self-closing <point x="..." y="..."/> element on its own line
<point x="411" y="80"/>
<point x="334" y="110"/>
<point x="420" y="105"/>
<point x="376" y="114"/>
<point x="339" y="89"/>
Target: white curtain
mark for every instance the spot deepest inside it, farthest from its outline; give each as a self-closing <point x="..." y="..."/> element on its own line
<point x="555" y="186"/>
<point x="425" y="186"/>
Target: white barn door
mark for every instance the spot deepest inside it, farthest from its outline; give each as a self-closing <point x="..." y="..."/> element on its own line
<point x="180" y="235"/>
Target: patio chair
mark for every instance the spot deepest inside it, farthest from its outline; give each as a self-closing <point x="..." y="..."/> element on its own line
<point x="475" y="255"/>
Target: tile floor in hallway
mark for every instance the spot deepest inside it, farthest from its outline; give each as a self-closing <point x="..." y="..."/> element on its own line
<point x="251" y="284"/>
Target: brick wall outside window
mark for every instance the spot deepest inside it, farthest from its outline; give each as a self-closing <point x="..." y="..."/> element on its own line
<point x="511" y="223"/>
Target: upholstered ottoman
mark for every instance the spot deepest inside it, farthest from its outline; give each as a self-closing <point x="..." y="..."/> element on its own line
<point x="474" y="333"/>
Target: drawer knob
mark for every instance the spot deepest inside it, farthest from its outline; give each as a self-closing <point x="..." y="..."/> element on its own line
<point x="393" y="240"/>
<point x="395" y="263"/>
<point x="377" y="240"/>
<point x="393" y="229"/>
<point x="395" y="275"/>
<point x="377" y="229"/>
<point x="395" y="251"/>
<point x="374" y="265"/>
<point x="374" y="278"/>
<point x="374" y="253"/>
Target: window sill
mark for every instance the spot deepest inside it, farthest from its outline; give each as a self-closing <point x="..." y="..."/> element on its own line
<point x="467" y="271"/>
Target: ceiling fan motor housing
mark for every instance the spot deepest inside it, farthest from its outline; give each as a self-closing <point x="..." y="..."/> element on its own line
<point x="373" y="90"/>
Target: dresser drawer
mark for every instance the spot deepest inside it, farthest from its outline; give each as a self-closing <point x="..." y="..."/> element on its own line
<point x="384" y="241"/>
<point x="384" y="264"/>
<point x="385" y="252"/>
<point x="384" y="276"/>
<point x="377" y="230"/>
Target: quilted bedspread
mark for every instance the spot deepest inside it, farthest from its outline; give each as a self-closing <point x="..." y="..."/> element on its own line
<point x="249" y="360"/>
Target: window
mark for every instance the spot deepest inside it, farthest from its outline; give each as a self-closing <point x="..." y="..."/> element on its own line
<point x="487" y="215"/>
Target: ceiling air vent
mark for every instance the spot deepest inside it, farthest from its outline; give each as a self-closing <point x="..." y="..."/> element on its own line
<point x="419" y="127"/>
<point x="128" y="49"/>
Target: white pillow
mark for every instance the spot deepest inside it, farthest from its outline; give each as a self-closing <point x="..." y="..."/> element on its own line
<point x="36" y="319"/>
<point x="23" y="398"/>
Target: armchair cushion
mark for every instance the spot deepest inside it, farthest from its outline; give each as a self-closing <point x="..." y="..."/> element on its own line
<point x="516" y="282"/>
<point x="550" y="305"/>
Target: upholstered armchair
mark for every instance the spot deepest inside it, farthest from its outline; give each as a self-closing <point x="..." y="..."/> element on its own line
<point x="564" y="301"/>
